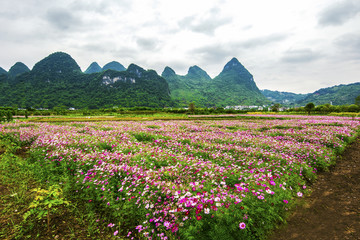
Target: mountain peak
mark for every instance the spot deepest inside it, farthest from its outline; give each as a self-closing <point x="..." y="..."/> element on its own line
<point x="3" y="71"/>
<point x="58" y="62"/>
<point x="114" y="66"/>
<point x="197" y="72"/>
<point x="233" y="64"/>
<point x="235" y="73"/>
<point x="93" y="68"/>
<point x="133" y="68"/>
<point x="17" y="69"/>
<point x="168" y="71"/>
<point x="234" y="67"/>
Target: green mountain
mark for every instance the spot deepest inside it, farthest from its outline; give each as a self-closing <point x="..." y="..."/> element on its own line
<point x="336" y="95"/>
<point x="93" y="68"/>
<point x="114" y="66"/>
<point x="284" y="98"/>
<point x="17" y="69"/>
<point x="232" y="87"/>
<point x="58" y="81"/>
<point x="56" y="63"/>
<point x="3" y="71"/>
<point x="235" y="86"/>
<point x="188" y="88"/>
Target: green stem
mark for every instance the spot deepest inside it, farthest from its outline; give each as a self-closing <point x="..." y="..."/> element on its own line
<point x="48" y="218"/>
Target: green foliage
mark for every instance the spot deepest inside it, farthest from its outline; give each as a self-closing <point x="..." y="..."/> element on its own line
<point x="45" y="201"/>
<point x="17" y="69"/>
<point x="192" y="107"/>
<point x="357" y="100"/>
<point x="3" y="71"/>
<point x="336" y="95"/>
<point x="144" y="137"/>
<point x="6" y="114"/>
<point x="275" y="107"/>
<point x="93" y="68"/>
<point x="285" y="98"/>
<point x="234" y="86"/>
<point x="114" y="66"/>
<point x="309" y="107"/>
<point x="57" y="82"/>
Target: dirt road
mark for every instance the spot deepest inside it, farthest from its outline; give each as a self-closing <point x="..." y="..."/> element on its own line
<point x="333" y="209"/>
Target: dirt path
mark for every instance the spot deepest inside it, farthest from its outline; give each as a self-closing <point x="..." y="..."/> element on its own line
<point x="333" y="209"/>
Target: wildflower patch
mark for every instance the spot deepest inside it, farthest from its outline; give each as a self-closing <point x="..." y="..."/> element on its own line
<point x="216" y="179"/>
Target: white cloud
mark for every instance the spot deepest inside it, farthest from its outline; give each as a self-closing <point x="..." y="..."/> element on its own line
<point x="339" y="12"/>
<point x="275" y="40"/>
<point x="297" y="56"/>
<point x="349" y="46"/>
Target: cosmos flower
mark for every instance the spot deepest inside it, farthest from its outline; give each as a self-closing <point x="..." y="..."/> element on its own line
<point x="242" y="225"/>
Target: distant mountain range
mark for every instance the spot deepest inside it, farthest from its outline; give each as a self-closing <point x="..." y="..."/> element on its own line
<point x="284" y="98"/>
<point x="57" y="80"/>
<point x="233" y="86"/>
<point x="95" y="68"/>
<point x="336" y="95"/>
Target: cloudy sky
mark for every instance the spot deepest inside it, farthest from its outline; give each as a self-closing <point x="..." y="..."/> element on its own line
<point x="288" y="45"/>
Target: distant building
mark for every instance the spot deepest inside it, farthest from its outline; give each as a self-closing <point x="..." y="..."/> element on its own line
<point x="244" y="107"/>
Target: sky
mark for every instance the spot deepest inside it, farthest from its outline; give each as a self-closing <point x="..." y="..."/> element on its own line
<point x="295" y="46"/>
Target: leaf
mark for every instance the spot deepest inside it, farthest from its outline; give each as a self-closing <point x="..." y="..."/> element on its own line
<point x="41" y="214"/>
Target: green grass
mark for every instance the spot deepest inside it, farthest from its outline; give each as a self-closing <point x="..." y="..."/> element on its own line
<point x="17" y="182"/>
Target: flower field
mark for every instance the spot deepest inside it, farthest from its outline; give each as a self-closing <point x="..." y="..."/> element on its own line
<point x="214" y="179"/>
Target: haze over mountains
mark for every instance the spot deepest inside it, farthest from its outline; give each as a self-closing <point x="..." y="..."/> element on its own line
<point x="57" y="80"/>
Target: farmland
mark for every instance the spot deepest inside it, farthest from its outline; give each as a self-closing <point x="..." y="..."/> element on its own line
<point x="198" y="179"/>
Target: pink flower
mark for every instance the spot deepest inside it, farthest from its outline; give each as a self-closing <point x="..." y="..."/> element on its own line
<point x="116" y="232"/>
<point x="242" y="225"/>
<point x="299" y="194"/>
<point x="286" y="201"/>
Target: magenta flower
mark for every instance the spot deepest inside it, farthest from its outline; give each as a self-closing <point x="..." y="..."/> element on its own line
<point x="242" y="225"/>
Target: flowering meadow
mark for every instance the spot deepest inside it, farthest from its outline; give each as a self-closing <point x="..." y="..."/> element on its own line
<point x="213" y="179"/>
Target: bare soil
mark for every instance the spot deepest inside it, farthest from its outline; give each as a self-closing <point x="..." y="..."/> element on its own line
<point x="332" y="211"/>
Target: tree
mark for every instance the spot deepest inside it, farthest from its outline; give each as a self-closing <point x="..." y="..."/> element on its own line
<point x="354" y="108"/>
<point x="309" y="107"/>
<point x="275" y="107"/>
<point x="192" y="107"/>
<point x="357" y="100"/>
<point x="9" y="116"/>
